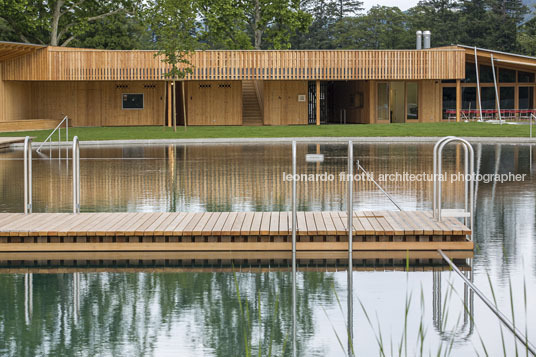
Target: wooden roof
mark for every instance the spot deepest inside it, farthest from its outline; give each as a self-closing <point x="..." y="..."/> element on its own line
<point x="73" y="64"/>
<point x="10" y="50"/>
<point x="500" y="58"/>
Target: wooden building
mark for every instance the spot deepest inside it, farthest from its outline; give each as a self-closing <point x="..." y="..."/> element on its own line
<point x="41" y="84"/>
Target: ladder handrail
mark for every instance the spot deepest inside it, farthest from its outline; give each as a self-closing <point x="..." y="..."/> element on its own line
<point x="76" y="175"/>
<point x="468" y="181"/>
<point x="27" y="175"/>
<point x="66" y="118"/>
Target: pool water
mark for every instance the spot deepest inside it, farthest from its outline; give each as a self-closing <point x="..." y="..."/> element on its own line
<point x="220" y="309"/>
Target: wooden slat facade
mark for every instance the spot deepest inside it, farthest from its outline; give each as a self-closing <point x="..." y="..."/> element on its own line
<point x="61" y="64"/>
<point x="257" y="231"/>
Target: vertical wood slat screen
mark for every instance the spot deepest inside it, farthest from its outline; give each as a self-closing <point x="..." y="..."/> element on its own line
<point x="80" y="65"/>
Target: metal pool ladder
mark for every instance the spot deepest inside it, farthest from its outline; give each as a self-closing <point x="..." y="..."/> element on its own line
<point x="468" y="179"/>
<point x="57" y="128"/>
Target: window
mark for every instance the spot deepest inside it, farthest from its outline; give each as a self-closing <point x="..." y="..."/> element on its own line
<point x="383" y="101"/>
<point x="525" y="77"/>
<point x="412" y="100"/>
<point x="507" y="75"/>
<point x="486" y="74"/>
<point x="487" y="95"/>
<point x="507" y="97"/>
<point x="526" y="97"/>
<point x="469" y="98"/>
<point x="449" y="102"/>
<point x="470" y="73"/>
<point x="132" y="101"/>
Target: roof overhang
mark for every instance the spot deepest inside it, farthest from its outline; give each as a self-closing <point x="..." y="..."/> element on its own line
<point x="10" y="50"/>
<point x="504" y="59"/>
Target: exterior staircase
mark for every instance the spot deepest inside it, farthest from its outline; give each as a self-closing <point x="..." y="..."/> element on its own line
<point x="251" y="110"/>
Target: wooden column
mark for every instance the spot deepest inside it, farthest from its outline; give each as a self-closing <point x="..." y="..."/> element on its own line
<point x="317" y="102"/>
<point x="169" y="103"/>
<point x="458" y="100"/>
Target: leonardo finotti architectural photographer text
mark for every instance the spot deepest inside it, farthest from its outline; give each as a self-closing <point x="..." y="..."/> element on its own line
<point x="406" y="177"/>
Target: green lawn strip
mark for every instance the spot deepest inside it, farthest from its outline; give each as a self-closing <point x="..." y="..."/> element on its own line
<point x="364" y="130"/>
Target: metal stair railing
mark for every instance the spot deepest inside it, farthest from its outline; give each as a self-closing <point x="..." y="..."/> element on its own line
<point x="58" y="129"/>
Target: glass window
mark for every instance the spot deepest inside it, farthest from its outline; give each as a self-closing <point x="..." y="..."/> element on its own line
<point x="448" y="81"/>
<point x="507" y="97"/>
<point x="525" y="77"/>
<point x="526" y="97"/>
<point x="507" y="75"/>
<point x="449" y="102"/>
<point x="470" y="73"/>
<point x="486" y="74"/>
<point x="412" y="100"/>
<point x="487" y="95"/>
<point x="469" y="98"/>
<point x="132" y="101"/>
<point x="383" y="101"/>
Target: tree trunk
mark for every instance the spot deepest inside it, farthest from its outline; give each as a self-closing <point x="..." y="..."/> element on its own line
<point x="174" y="105"/>
<point x="55" y="23"/>
<point x="183" y="104"/>
<point x="257" y="31"/>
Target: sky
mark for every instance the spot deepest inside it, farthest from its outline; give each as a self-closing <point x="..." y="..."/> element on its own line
<point x="401" y="4"/>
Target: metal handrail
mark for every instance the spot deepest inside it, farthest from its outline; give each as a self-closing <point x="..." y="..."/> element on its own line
<point x="468" y="179"/>
<point x="532" y="116"/>
<point x="518" y="334"/>
<point x="370" y="177"/>
<point x="27" y="175"/>
<point x="76" y="175"/>
<point x="58" y="127"/>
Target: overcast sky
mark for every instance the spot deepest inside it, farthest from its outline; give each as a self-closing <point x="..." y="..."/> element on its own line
<point x="402" y="4"/>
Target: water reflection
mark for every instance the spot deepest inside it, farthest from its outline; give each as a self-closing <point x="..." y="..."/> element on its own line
<point x="152" y="305"/>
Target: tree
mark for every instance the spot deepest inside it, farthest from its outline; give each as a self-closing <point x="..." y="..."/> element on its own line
<point x="526" y="37"/>
<point x="438" y="16"/>
<point x="320" y="34"/>
<point x="383" y="27"/>
<point x="224" y="25"/>
<point x="474" y="23"/>
<point x="174" y="25"/>
<point x="58" y="22"/>
<point x="348" y="8"/>
<point x="117" y="32"/>
<point x="505" y="17"/>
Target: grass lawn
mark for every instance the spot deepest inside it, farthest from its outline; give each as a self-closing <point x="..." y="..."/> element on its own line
<point x="195" y="132"/>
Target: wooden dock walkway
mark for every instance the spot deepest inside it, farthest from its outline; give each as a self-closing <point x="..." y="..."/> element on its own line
<point x="228" y="231"/>
<point x="5" y="141"/>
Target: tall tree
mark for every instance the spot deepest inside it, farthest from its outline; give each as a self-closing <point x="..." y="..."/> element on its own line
<point x="348" y="8"/>
<point x="58" y="22"/>
<point x="174" y="25"/>
<point x="224" y="25"/>
<point x="505" y="17"/>
<point x="383" y="27"/>
<point x="475" y="23"/>
<point x="526" y="37"/>
<point x="438" y="16"/>
<point x="117" y="32"/>
<point x="320" y="34"/>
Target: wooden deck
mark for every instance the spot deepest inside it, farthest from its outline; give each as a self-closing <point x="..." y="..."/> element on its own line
<point x="6" y="141"/>
<point x="228" y="231"/>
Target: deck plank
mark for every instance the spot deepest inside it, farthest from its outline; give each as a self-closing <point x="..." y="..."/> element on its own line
<point x="328" y="222"/>
<point x="237" y="224"/>
<point x="301" y="225"/>
<point x="265" y="224"/>
<point x="284" y="223"/>
<point x="319" y="222"/>
<point x="274" y="224"/>
<point x="311" y="224"/>
<point x="338" y="223"/>
<point x="217" y="230"/>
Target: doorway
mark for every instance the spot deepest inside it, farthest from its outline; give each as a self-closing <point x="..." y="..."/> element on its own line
<point x="396" y="102"/>
<point x="391" y="101"/>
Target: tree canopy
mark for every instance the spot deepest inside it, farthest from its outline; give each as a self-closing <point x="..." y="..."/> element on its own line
<point x="505" y="25"/>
